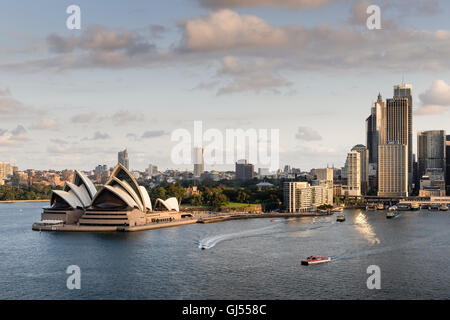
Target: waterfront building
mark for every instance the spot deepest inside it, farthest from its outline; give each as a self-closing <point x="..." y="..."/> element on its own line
<point x="353" y="175"/>
<point x="122" y="158"/>
<point x="431" y="151"/>
<point x="432" y="183"/>
<point x="393" y="170"/>
<point x="199" y="165"/>
<point x="301" y="196"/>
<point x="244" y="170"/>
<point x="405" y="91"/>
<point x="364" y="166"/>
<point x="120" y="203"/>
<point x="5" y="170"/>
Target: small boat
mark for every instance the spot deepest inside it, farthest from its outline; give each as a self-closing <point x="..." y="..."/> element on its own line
<point x="415" y="206"/>
<point x="273" y="220"/>
<point x="392" y="212"/>
<point x="380" y="206"/>
<point x="315" y="260"/>
<point x="337" y="209"/>
<point x="371" y="207"/>
<point x="340" y="217"/>
<point x="443" y="207"/>
<point x="322" y="211"/>
<point x="204" y="246"/>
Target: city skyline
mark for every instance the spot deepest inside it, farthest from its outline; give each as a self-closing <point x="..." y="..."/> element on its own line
<point x="153" y="73"/>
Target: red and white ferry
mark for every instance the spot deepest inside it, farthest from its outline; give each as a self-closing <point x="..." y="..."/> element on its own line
<point x="315" y="260"/>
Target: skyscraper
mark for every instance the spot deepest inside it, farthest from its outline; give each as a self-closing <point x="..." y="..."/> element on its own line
<point x="364" y="166"/>
<point x="447" y="160"/>
<point x="353" y="171"/>
<point x="431" y="150"/>
<point x="199" y="165"/>
<point x="123" y="158"/>
<point x="397" y="129"/>
<point x="405" y="91"/>
<point x="376" y="129"/>
<point x="393" y="170"/>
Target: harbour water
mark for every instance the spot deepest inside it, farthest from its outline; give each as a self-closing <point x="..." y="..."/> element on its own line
<point x="244" y="259"/>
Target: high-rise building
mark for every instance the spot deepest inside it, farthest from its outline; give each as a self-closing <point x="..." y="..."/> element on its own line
<point x="376" y="129"/>
<point x="431" y="150"/>
<point x="364" y="166"/>
<point x="123" y="158"/>
<point x="405" y="91"/>
<point x="353" y="171"/>
<point x="447" y="160"/>
<point x="244" y="170"/>
<point x="393" y="170"/>
<point x="5" y="170"/>
<point x="199" y="165"/>
<point x="397" y="121"/>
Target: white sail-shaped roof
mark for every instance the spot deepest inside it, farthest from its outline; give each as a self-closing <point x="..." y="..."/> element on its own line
<point x="122" y="173"/>
<point x="80" y="191"/>
<point x="114" y="181"/>
<point x="70" y="198"/>
<point x="147" y="201"/>
<point x="170" y="204"/>
<point x="80" y="179"/>
<point x="120" y="193"/>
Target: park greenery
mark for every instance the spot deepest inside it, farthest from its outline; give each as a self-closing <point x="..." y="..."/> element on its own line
<point x="34" y="192"/>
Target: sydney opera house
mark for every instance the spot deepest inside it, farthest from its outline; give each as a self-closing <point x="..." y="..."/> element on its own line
<point x="119" y="205"/>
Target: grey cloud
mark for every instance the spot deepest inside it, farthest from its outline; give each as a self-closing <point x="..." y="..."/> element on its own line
<point x="308" y="134"/>
<point x="98" y="136"/>
<point x="13" y="138"/>
<point x="59" y="141"/>
<point x="46" y="124"/>
<point x="153" y="134"/>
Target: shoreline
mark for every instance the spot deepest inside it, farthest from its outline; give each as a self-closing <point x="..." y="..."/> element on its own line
<point x="202" y="220"/>
<point x="23" y="201"/>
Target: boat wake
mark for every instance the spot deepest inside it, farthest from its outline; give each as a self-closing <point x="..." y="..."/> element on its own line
<point x="210" y="242"/>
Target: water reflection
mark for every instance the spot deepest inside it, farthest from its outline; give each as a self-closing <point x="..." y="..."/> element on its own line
<point x="364" y="227"/>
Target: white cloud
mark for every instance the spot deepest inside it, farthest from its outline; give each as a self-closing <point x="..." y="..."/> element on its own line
<point x="227" y="29"/>
<point x="13" y="138"/>
<point x="436" y="100"/>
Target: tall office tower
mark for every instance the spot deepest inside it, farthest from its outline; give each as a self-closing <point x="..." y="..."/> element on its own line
<point x="353" y="170"/>
<point x="393" y="170"/>
<point x="431" y="151"/>
<point x="397" y="121"/>
<point x="364" y="165"/>
<point x="405" y="91"/>
<point x="123" y="158"/>
<point x="376" y="129"/>
<point x="199" y="165"/>
<point x="244" y="170"/>
<point x="447" y="161"/>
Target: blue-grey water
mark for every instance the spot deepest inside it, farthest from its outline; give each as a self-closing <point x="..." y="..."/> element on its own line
<point x="247" y="259"/>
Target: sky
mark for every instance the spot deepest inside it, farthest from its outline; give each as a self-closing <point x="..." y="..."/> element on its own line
<point x="139" y="70"/>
